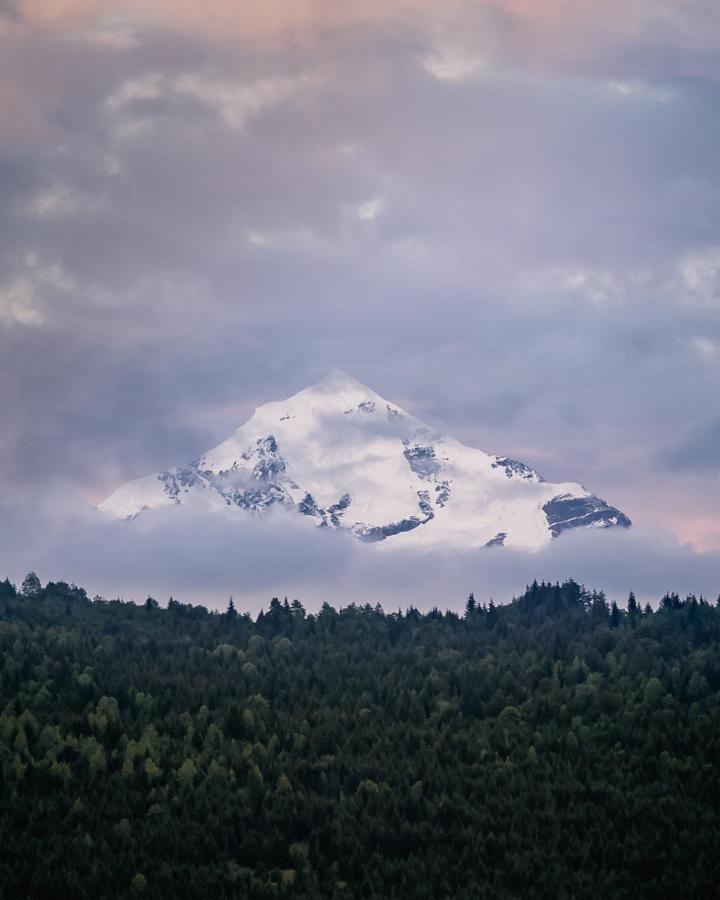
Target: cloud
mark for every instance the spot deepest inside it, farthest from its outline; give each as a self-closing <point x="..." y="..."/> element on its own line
<point x="149" y="86"/>
<point x="236" y="103"/>
<point x="206" y="206"/>
<point x="60" y="200"/>
<point x="9" y="9"/>
<point x="23" y="299"/>
<point x="453" y="65"/>
<point x="700" y="273"/>
<point x="371" y="209"/>
<point x="134" y="105"/>
<point x="254" y="558"/>
<point x="702" y="533"/>
<point x="544" y="28"/>
<point x="638" y="90"/>
<point x="706" y="348"/>
<point x="114" y="31"/>
<point x="595" y="286"/>
<point x="699" y="450"/>
<point x="19" y="304"/>
<point x="221" y="19"/>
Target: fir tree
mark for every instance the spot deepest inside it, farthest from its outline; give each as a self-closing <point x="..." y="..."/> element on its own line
<point x="632" y="605"/>
<point x="470" y="606"/>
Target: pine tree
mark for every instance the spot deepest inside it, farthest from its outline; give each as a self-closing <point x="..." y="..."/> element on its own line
<point x="231" y="612"/>
<point x="632" y="605"/>
<point x="470" y="607"/>
<point x="492" y="616"/>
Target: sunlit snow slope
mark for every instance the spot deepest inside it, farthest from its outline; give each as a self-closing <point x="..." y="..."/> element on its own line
<point x="343" y="457"/>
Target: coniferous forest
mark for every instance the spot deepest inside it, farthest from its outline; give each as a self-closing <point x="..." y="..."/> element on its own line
<point x="556" y="747"/>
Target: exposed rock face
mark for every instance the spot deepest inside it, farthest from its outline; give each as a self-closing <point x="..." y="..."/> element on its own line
<point x="566" y="511"/>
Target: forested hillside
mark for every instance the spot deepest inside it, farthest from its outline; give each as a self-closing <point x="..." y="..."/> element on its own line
<point x="557" y="747"/>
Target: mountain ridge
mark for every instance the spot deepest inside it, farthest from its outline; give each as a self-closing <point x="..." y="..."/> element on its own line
<point x="343" y="457"/>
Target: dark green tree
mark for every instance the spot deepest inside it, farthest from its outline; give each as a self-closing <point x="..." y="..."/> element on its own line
<point x="632" y="606"/>
<point x="470" y="607"/>
<point x="31" y="586"/>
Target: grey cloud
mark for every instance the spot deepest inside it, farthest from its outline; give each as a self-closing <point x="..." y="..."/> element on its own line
<point x="167" y="553"/>
<point x="9" y="9"/>
<point x="699" y="451"/>
<point x="519" y="288"/>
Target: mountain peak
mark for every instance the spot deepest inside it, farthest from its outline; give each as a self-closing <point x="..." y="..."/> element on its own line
<point x="336" y="391"/>
<point x="337" y="379"/>
<point x="341" y="457"/>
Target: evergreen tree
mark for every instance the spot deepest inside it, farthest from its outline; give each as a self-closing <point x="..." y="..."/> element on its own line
<point x="632" y="606"/>
<point x="470" y="607"/>
<point x="492" y="614"/>
<point x="31" y="586"/>
<point x="359" y="753"/>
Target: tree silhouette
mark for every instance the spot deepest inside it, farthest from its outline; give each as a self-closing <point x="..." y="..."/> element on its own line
<point x="31" y="586"/>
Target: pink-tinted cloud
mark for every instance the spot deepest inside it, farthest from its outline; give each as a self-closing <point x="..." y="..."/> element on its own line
<point x="18" y="118"/>
<point x="220" y="18"/>
<point x="702" y="534"/>
<point x="568" y="27"/>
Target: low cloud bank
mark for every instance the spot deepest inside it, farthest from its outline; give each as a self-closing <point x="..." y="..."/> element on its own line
<point x="205" y="560"/>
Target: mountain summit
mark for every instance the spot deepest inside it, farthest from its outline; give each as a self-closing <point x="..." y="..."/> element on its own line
<point x="341" y="456"/>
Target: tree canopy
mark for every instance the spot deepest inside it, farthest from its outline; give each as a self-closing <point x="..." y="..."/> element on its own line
<point x="558" y="747"/>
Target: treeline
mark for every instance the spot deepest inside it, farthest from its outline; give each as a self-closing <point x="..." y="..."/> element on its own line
<point x="556" y="747"/>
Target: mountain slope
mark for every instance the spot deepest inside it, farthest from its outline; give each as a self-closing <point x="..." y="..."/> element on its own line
<point x="343" y="457"/>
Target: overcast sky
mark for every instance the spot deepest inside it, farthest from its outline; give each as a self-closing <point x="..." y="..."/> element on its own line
<point x="503" y="216"/>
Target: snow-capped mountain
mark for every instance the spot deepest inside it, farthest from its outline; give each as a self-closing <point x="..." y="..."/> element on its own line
<point x="342" y="457"/>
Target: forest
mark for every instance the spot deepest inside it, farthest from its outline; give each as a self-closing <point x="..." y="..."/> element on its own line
<point x="559" y="746"/>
